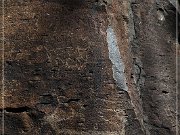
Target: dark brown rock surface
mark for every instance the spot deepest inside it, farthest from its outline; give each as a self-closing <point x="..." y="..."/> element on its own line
<point x="89" y="67"/>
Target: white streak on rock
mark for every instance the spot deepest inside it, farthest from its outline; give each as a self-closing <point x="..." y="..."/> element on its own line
<point x="115" y="57"/>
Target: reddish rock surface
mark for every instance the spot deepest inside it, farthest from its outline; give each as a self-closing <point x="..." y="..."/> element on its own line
<point x="62" y="76"/>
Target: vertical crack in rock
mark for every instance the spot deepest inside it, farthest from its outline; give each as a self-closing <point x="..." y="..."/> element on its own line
<point x="139" y="77"/>
<point x="115" y="57"/>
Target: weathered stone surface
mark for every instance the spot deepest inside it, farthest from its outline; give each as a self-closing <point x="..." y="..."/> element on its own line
<point x="90" y="67"/>
<point x="154" y="44"/>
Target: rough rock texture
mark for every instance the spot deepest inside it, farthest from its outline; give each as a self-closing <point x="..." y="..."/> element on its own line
<point x="89" y="67"/>
<point x="155" y="46"/>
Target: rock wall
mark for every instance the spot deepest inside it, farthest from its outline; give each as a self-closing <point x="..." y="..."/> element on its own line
<point x="89" y="67"/>
<point x="154" y="45"/>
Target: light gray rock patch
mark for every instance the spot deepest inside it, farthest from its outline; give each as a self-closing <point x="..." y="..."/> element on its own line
<point x="115" y="57"/>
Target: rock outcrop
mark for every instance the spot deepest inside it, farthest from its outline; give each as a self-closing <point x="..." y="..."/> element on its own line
<point x="89" y="67"/>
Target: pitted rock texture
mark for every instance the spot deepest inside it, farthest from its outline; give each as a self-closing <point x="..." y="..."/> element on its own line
<point x="59" y="76"/>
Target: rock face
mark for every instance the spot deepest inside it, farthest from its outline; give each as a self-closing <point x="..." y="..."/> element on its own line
<point x="155" y="46"/>
<point x="89" y="67"/>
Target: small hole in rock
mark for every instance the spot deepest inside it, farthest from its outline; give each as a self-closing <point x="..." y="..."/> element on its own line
<point x="91" y="71"/>
<point x="85" y="106"/>
<point x="165" y="92"/>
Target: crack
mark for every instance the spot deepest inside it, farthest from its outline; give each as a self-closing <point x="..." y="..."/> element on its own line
<point x="16" y="110"/>
<point x="72" y="100"/>
<point x="139" y="74"/>
<point x="165" y="92"/>
<point x="139" y="77"/>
